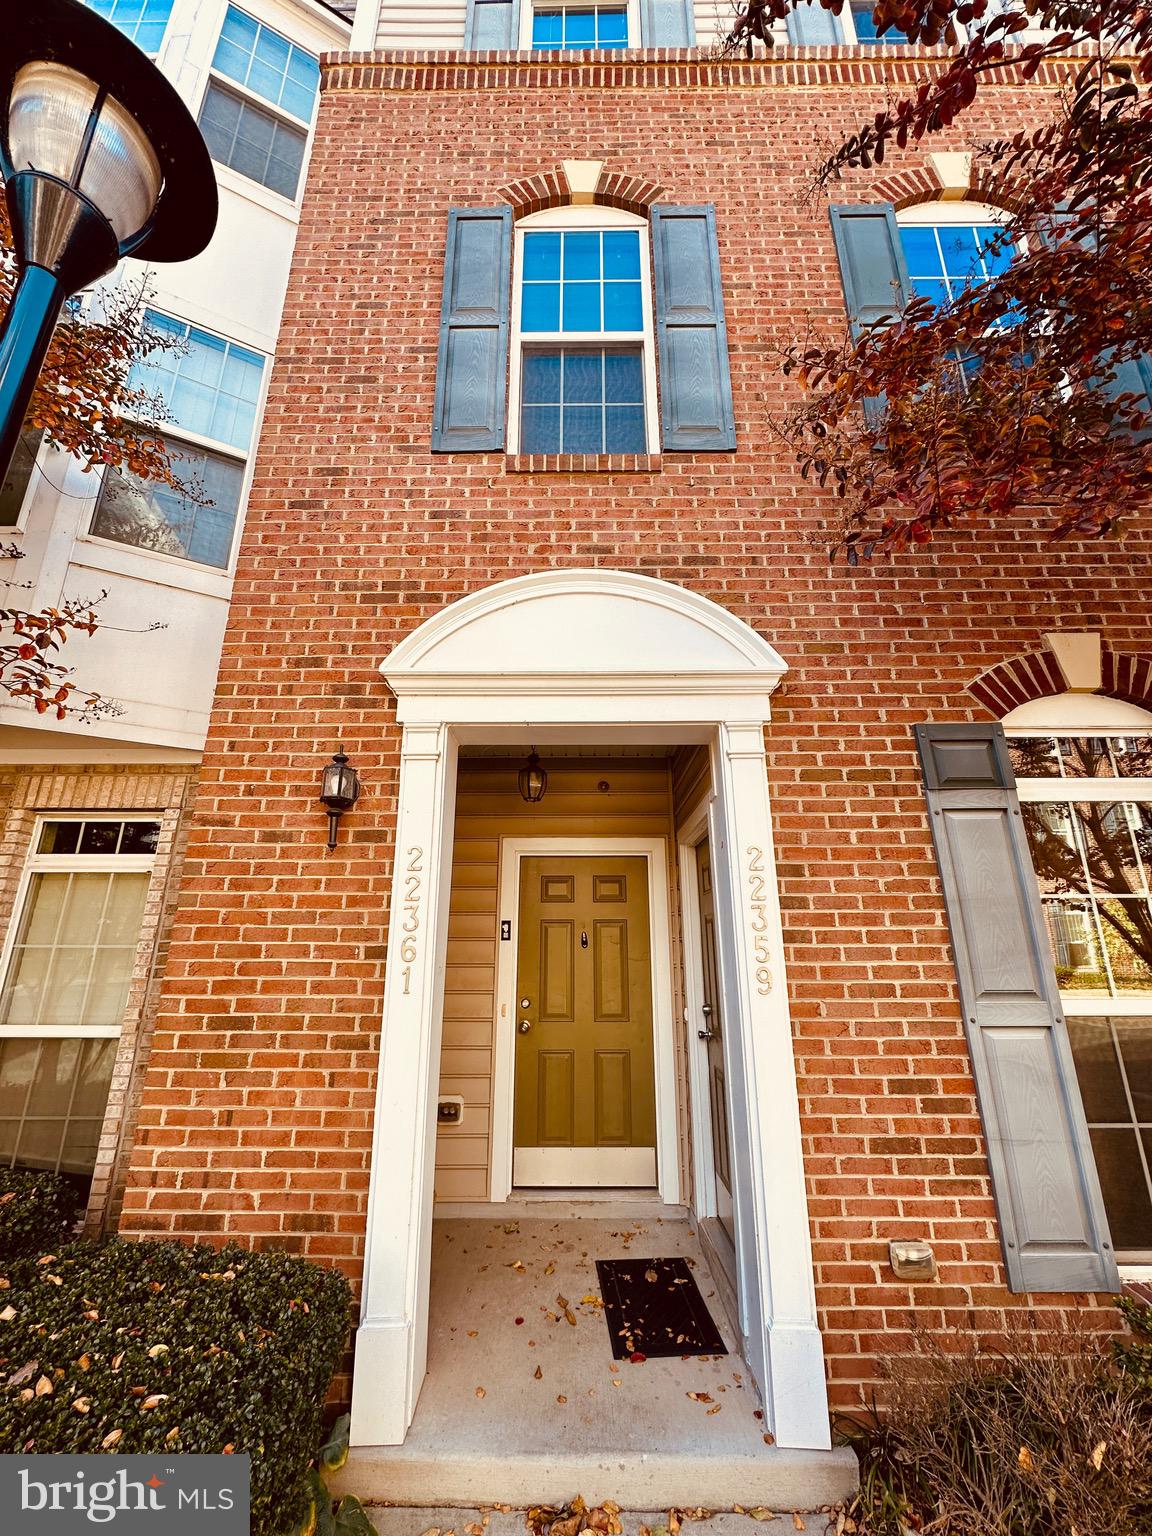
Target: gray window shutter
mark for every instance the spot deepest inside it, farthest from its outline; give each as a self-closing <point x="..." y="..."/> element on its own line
<point x="492" y="25"/>
<point x="695" y="384"/>
<point x="810" y="24"/>
<point x="1052" y="1224"/>
<point x="472" y="363"/>
<point x="667" y="24"/>
<point x="872" y="266"/>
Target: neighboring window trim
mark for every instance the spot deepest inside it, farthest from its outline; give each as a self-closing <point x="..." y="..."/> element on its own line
<point x="175" y="436"/>
<point x="37" y="863"/>
<point x="594" y="217"/>
<point x="35" y="475"/>
<point x="1133" y="1262"/>
<point x="529" y="9"/>
<point x="163" y="39"/>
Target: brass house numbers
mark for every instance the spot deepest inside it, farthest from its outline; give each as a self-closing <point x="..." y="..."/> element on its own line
<point x="758" y="922"/>
<point x="410" y="924"/>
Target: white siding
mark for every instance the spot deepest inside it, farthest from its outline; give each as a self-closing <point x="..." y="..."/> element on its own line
<point x="434" y="24"/>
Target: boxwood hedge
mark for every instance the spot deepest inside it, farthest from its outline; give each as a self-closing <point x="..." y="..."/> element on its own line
<point x="159" y="1346"/>
<point x="37" y="1210"/>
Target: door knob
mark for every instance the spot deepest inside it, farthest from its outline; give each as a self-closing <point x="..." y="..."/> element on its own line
<point x="525" y="1026"/>
<point x="706" y="1034"/>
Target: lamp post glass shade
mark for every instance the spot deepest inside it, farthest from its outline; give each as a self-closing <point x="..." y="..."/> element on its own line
<point x="339" y="791"/>
<point x="62" y="124"/>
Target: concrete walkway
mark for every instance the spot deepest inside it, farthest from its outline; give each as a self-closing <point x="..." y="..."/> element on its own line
<point x="524" y="1404"/>
<point x="456" y="1522"/>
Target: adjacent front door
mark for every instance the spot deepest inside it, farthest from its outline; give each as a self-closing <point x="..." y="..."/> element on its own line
<point x="585" y="1111"/>
<point x="711" y="1029"/>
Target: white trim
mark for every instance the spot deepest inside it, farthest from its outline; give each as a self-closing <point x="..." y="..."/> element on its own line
<point x="1076" y="714"/>
<point x="562" y="1170"/>
<point x="1094" y="1005"/>
<point x="689" y="836"/>
<point x="581" y="217"/>
<point x="1041" y="791"/>
<point x="653" y="851"/>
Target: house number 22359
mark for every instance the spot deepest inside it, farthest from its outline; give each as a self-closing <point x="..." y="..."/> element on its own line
<point x="758" y="920"/>
<point x="413" y="879"/>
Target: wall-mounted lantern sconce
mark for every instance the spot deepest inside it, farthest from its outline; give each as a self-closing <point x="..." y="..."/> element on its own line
<point x="339" y="791"/>
<point x="532" y="779"/>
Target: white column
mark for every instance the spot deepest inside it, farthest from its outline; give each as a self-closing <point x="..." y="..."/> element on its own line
<point x="364" y="26"/>
<point x="774" y="1253"/>
<point x="392" y="1340"/>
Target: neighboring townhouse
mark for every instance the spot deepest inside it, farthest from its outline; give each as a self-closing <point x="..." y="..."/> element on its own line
<point x="702" y="898"/>
<point x="92" y="818"/>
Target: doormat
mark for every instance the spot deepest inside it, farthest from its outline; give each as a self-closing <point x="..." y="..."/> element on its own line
<point x="654" y="1307"/>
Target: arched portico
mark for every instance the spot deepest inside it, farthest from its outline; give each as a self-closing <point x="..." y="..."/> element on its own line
<point x="579" y="658"/>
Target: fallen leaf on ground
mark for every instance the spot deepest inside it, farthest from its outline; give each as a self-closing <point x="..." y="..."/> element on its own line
<point x="700" y="1397"/>
<point x="538" y="1374"/>
<point x="550" y="1267"/>
<point x="519" y="1320"/>
<point x="637" y="1357"/>
<point x="650" y="1275"/>
<point x="433" y="1530"/>
<point x="473" y="1333"/>
<point x="44" y="1387"/>
<point x="480" y="1392"/>
<point x="716" y="1409"/>
<point x="797" y="1522"/>
<point x="1097" y="1456"/>
<point x="760" y="1513"/>
<point x="561" y="1399"/>
<point x="1025" y="1459"/>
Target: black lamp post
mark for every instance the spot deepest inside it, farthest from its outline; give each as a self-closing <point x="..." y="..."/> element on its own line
<point x="101" y="159"/>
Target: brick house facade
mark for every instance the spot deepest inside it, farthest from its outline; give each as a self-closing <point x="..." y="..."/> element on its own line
<point x="256" y="1120"/>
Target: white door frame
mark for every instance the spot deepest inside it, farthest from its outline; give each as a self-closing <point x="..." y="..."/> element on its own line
<point x="512" y="851"/>
<point x="589" y="657"/>
<point x="689" y="835"/>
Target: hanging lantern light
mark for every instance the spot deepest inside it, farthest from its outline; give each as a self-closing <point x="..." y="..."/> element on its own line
<point x="532" y="779"/>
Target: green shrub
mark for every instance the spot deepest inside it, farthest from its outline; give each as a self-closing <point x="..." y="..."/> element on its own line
<point x="147" y="1347"/>
<point x="37" y="1211"/>
<point x="1047" y="1436"/>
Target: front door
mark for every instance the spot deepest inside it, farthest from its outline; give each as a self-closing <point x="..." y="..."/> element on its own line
<point x="585" y="1111"/>
<point x="710" y="1030"/>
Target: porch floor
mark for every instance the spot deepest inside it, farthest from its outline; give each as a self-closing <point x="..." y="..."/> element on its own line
<point x="537" y="1410"/>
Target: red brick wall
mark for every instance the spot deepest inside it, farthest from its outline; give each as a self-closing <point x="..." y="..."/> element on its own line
<point x="256" y="1116"/>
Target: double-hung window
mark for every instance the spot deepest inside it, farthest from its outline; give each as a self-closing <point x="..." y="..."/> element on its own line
<point x="66" y="983"/>
<point x="1087" y="806"/>
<point x="579" y="26"/>
<point x="583" y="382"/>
<point x="260" y="102"/>
<point x="812" y="25"/>
<point x="144" y="21"/>
<point x="948" y="252"/>
<point x="211" y="388"/>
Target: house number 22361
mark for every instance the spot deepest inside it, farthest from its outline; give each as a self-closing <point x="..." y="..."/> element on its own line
<point x="758" y="921"/>
<point x="413" y="878"/>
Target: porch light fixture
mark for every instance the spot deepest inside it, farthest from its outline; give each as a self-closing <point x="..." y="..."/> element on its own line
<point x="101" y="159"/>
<point x="339" y="791"/>
<point x="532" y="779"/>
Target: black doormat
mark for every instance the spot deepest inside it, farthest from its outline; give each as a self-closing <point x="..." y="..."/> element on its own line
<point x="654" y="1307"/>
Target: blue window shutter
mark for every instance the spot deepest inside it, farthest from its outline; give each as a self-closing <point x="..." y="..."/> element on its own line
<point x="810" y="25"/>
<point x="472" y="363"/>
<point x="1053" y="1228"/>
<point x="667" y="24"/>
<point x="872" y="266"/>
<point x="492" y="26"/>
<point x="695" y="383"/>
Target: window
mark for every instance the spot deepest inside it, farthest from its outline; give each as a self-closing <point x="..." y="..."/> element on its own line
<point x="265" y="145"/>
<point x="18" y="481"/>
<point x="596" y="26"/>
<point x="952" y="253"/>
<point x="144" y="21"/>
<point x="583" y="308"/>
<point x="66" y="987"/>
<point x="211" y="388"/>
<point x="1087" y="805"/>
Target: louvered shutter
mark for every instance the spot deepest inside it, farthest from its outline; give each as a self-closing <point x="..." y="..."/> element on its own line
<point x="695" y="383"/>
<point x="1053" y="1228"/>
<point x="492" y="25"/>
<point x="472" y="361"/>
<point x="667" y="24"/>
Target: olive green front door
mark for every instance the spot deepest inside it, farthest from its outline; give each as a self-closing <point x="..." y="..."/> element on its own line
<point x="585" y="1101"/>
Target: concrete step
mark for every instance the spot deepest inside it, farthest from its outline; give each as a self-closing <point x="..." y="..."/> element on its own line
<point x="771" y="1477"/>
<point x="453" y="1521"/>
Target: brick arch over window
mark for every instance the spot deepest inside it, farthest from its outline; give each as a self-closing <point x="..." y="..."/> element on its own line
<point x="551" y="189"/>
<point x="924" y="184"/>
<point x="1037" y="674"/>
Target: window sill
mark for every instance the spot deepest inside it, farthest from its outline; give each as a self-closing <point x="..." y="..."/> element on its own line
<point x="583" y="463"/>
